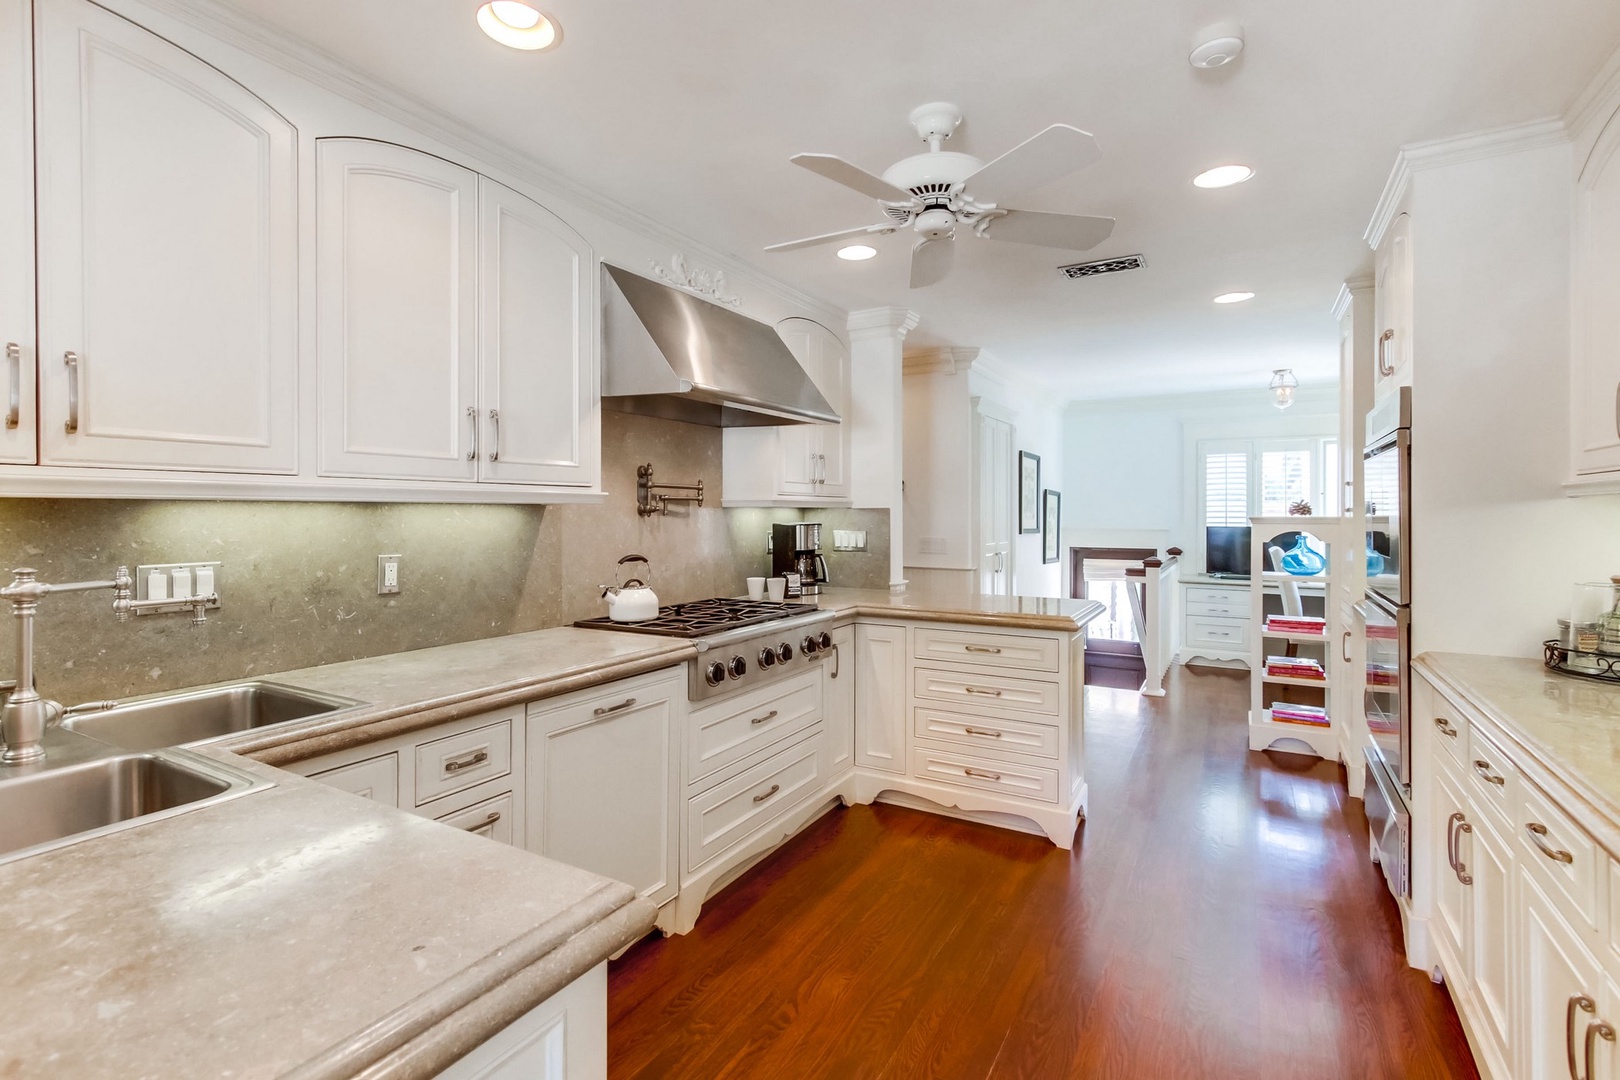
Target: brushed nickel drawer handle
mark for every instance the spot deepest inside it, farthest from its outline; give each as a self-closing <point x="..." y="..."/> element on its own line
<point x="1538" y="837"/>
<point x="983" y="649"/>
<point x="14" y="362"/>
<point x="1483" y="768"/>
<point x="494" y="816"/>
<point x="71" y="359"/>
<point x="609" y="710"/>
<point x="762" y="719"/>
<point x="977" y="690"/>
<point x="1586" y="1004"/>
<point x="1385" y="368"/>
<point x="982" y="731"/>
<point x="1445" y="727"/>
<point x="477" y="757"/>
<point x="980" y="774"/>
<point x="774" y="789"/>
<point x="1458" y="826"/>
<point x="1598" y="1029"/>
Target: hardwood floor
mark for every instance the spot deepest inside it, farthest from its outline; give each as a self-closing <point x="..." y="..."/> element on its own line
<point x="1217" y="918"/>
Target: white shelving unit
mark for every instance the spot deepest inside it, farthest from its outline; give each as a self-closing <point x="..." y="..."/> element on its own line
<point x="1264" y="732"/>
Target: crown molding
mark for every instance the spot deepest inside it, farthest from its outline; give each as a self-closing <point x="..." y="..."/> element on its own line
<point x="320" y="68"/>
<point x="882" y="322"/>
<point x="1457" y="150"/>
<point x="938" y="361"/>
<point x="1348" y="292"/>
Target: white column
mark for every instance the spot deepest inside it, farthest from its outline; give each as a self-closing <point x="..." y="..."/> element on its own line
<point x="877" y="406"/>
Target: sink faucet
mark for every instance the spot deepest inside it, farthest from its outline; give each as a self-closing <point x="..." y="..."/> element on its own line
<point x="26" y="715"/>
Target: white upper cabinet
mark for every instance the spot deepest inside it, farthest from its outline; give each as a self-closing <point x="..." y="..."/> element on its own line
<point x="1392" y="345"/>
<point x="167" y="255"/>
<point x="797" y="464"/>
<point x="16" y="235"/>
<point x="397" y="277"/>
<point x="1595" y="381"/>
<point x="537" y="319"/>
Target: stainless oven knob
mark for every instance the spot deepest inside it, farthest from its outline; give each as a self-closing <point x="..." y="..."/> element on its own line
<point x="809" y="645"/>
<point x="738" y="667"/>
<point x="825" y="640"/>
<point x="716" y="673"/>
<point x="767" y="657"/>
<point x="784" y="652"/>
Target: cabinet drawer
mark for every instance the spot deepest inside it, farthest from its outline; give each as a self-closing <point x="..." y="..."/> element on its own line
<point x="375" y="778"/>
<point x="943" y="765"/>
<point x="1235" y="608"/>
<point x="1493" y="782"/>
<point x="460" y="761"/>
<point x="1450" y="727"/>
<point x="986" y="732"/>
<point x="491" y="818"/>
<point x="1231" y="635"/>
<point x="1561" y="853"/>
<point x="996" y="690"/>
<point x="722" y="734"/>
<point x="986" y="650"/>
<point x="1237" y="598"/>
<point x="731" y="810"/>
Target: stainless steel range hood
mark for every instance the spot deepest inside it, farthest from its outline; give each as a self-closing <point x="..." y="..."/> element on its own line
<point x="671" y="354"/>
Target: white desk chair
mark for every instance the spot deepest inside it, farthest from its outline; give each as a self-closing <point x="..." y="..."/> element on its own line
<point x="1288" y="587"/>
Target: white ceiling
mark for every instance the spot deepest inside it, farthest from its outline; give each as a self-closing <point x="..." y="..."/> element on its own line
<point x="688" y="112"/>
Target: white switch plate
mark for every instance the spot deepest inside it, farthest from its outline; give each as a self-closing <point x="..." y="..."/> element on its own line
<point x="143" y="572"/>
<point x="388" y="574"/>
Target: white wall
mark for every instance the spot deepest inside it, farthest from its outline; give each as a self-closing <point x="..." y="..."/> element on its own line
<point x="1037" y="428"/>
<point x="1496" y="544"/>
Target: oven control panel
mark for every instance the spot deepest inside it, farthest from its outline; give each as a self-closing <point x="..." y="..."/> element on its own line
<point x="762" y="657"/>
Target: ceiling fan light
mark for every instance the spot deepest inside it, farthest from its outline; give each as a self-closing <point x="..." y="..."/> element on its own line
<point x="518" y="25"/>
<point x="857" y="252"/>
<point x="1222" y="176"/>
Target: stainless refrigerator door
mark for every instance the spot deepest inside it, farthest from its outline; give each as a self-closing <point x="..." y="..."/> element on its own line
<point x="1388" y="698"/>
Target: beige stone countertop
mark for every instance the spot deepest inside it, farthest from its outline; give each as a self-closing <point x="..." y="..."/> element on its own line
<point x="292" y="930"/>
<point x="412" y="690"/>
<point x="965" y="606"/>
<point x="1568" y="727"/>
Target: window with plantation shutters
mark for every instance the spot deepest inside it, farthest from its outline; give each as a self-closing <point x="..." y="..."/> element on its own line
<point x="1285" y="479"/>
<point x="1226" y="488"/>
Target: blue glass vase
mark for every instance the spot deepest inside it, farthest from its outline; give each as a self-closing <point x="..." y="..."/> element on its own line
<point x="1375" y="563"/>
<point x="1301" y="561"/>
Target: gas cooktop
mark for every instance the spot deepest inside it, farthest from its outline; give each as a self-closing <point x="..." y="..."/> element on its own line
<point x="702" y="618"/>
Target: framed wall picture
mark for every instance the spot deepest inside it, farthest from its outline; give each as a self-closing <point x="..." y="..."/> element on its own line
<point x="1029" y="490"/>
<point x="1051" y="525"/>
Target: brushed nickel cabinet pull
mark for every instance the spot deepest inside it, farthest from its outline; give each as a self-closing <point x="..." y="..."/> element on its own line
<point x="14" y="362"/>
<point x="495" y="423"/>
<point x="1344" y="647"/>
<point x="981" y="775"/>
<point x="982" y="731"/>
<point x="472" y="414"/>
<point x="837" y="662"/>
<point x="609" y="710"/>
<point x="1586" y="1004"/>
<point x="1538" y="837"/>
<point x="71" y="359"/>
<point x="1483" y="768"/>
<point x="1445" y="727"/>
<point x="982" y="648"/>
<point x="467" y="761"/>
<point x="494" y="816"/>
<point x="977" y="690"/>
<point x="1454" y="831"/>
<point x="762" y="719"/>
<point x="774" y="789"/>
<point x="1598" y="1029"/>
<point x="1385" y="368"/>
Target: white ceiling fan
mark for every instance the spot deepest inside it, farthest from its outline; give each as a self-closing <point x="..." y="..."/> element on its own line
<point x="935" y="191"/>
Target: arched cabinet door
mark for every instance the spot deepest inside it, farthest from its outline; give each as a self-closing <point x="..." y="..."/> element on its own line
<point x="168" y="255"/>
<point x="1595" y="385"/>
<point x="397" y="312"/>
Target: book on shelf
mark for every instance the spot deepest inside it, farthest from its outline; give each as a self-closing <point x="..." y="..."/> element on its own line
<point x="1383" y="675"/>
<point x="1296" y="624"/>
<point x="1288" y="713"/>
<point x="1295" y="667"/>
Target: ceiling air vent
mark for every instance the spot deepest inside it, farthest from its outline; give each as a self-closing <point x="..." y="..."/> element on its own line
<point x="1104" y="266"/>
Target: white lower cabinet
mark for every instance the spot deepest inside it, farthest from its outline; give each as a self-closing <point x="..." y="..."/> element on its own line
<point x="562" y="1038"/>
<point x="880" y="696"/>
<point x="838" y="701"/>
<point x="376" y="779"/>
<point x="604" y="776"/>
<point x="1563" y="986"/>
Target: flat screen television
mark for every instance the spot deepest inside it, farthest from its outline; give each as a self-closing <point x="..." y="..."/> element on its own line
<point x="1226" y="551"/>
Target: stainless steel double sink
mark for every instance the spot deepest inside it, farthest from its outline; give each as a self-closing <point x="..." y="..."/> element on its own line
<point x="124" y="765"/>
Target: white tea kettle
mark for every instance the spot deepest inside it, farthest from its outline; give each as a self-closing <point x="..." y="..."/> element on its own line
<point x="631" y="600"/>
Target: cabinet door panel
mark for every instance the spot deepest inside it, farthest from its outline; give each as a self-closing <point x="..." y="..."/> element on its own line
<point x="1490" y="932"/>
<point x="16" y="235"/>
<point x="838" y="701"/>
<point x="813" y="456"/>
<point x="167" y="255"/>
<point x="1557" y="971"/>
<point x="880" y="697"/>
<point x="397" y="274"/>
<point x="1451" y="899"/>
<point x="537" y="287"/>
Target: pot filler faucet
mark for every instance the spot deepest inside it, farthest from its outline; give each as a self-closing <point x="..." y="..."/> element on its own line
<point x="26" y="715"/>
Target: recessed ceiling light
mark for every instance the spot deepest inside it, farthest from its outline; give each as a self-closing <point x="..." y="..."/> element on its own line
<point x="518" y="25"/>
<point x="1223" y="176"/>
<point x="856" y="252"/>
<point x="1234" y="297"/>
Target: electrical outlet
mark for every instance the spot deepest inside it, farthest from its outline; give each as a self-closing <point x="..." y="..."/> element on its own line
<point x="387" y="574"/>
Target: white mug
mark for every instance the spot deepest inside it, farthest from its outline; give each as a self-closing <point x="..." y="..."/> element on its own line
<point x="756" y="588"/>
<point x="777" y="587"/>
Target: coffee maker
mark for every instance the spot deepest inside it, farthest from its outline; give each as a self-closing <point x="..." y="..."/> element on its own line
<point x="796" y="549"/>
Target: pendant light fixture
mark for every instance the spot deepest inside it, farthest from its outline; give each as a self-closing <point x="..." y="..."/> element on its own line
<point x="1282" y="386"/>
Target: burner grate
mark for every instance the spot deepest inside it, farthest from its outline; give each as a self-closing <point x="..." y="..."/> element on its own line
<point x="699" y="618"/>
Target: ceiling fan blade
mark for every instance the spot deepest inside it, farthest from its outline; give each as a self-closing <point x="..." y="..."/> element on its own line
<point x="931" y="262"/>
<point x="1071" y="232"/>
<point x="832" y="237"/>
<point x="1034" y="163"/>
<point x="851" y="176"/>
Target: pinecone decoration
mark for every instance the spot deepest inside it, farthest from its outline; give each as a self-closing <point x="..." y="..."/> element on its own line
<point x="1300" y="508"/>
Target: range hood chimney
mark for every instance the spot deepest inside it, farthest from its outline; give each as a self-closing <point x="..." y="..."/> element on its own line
<point x="669" y="353"/>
